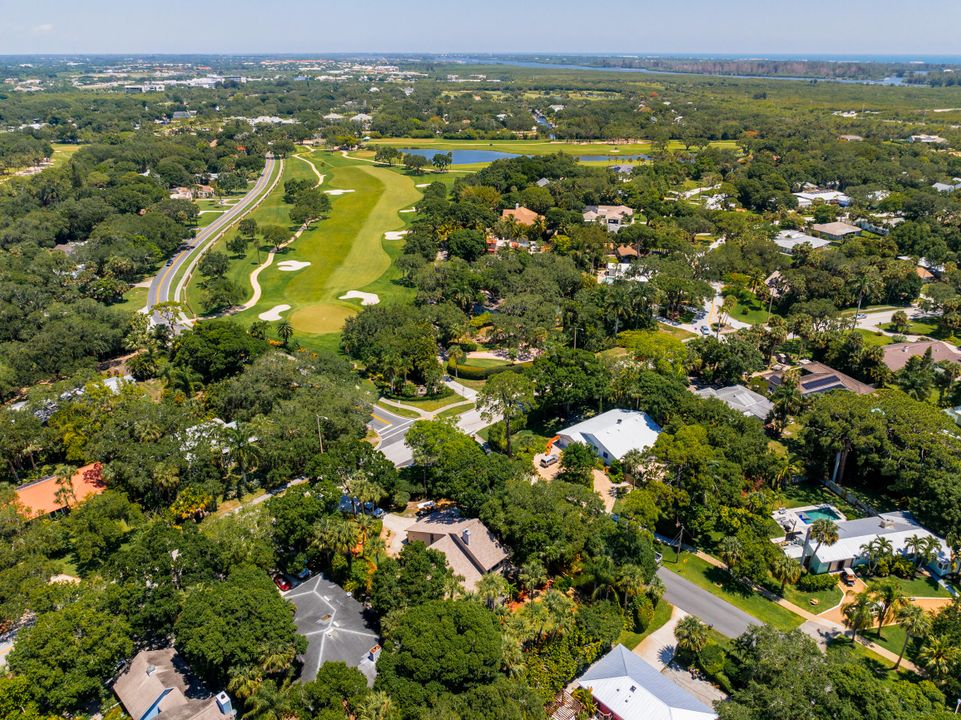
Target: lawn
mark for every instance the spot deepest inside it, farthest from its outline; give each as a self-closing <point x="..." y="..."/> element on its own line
<point x="892" y="638"/>
<point x="679" y="333"/>
<point x="397" y="411"/>
<point x="486" y="362"/>
<point x="133" y="300"/>
<point x="921" y="586"/>
<point x="813" y="493"/>
<point x="455" y="411"/>
<point x="719" y="582"/>
<point x="874" y="339"/>
<point x="431" y="404"/>
<point x="662" y="613"/>
<point x="752" y="312"/>
<point x="827" y="599"/>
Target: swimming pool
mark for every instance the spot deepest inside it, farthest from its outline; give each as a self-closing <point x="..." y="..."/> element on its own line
<point x="825" y="512"/>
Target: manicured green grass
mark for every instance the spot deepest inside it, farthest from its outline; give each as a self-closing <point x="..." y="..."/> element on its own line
<point x="662" y="613"/>
<point x="431" y="404"/>
<point x="753" y="312"/>
<point x="813" y="493"/>
<point x="679" y="333"/>
<point x="133" y="300"/>
<point x="827" y="599"/>
<point x="719" y="582"/>
<point x="874" y="339"/>
<point x="403" y="412"/>
<point x="455" y="411"/>
<point x="921" y="586"/>
<point x="472" y="384"/>
<point x="892" y="638"/>
<point x="871" y="660"/>
<point x="486" y="362"/>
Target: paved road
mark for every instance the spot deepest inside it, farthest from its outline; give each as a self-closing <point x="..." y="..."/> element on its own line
<point x="726" y="619"/>
<point x="160" y="287"/>
<point x="392" y="430"/>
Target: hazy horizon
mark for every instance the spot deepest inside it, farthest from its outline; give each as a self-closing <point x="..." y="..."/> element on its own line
<point x="247" y="27"/>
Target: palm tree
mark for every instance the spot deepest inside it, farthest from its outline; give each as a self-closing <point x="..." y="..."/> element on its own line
<point x="244" y="681"/>
<point x="491" y="589"/>
<point x="268" y="702"/>
<point x="376" y="706"/>
<point x="533" y="574"/>
<point x="275" y="660"/>
<point x="691" y="635"/>
<point x="888" y="596"/>
<point x="876" y="549"/>
<point x="730" y="551"/>
<point x="939" y="657"/>
<point x="785" y="570"/>
<point x="858" y="614"/>
<point x="285" y="331"/>
<point x="633" y="463"/>
<point x="241" y="449"/>
<point x="336" y="536"/>
<point x="630" y="581"/>
<point x="561" y="610"/>
<point x="915" y="623"/>
<point x="825" y="532"/>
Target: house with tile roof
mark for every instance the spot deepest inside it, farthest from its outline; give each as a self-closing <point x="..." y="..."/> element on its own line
<point x="521" y="215"/>
<point x="471" y="549"/>
<point x="896" y="355"/>
<point x="817" y="377"/>
<point x="625" y="687"/>
<point x="835" y="230"/>
<point x="612" y="217"/>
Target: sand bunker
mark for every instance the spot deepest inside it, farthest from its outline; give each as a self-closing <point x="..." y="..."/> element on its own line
<point x="395" y="234"/>
<point x="274" y="313"/>
<point x="292" y="265"/>
<point x="422" y="185"/>
<point x="337" y="192"/>
<point x="409" y="210"/>
<point x="365" y="297"/>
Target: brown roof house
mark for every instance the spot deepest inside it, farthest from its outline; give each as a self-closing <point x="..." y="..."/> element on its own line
<point x="157" y="684"/>
<point x="818" y="378"/>
<point x="471" y="549"/>
<point x="896" y="355"/>
<point x="52" y="495"/>
<point x="613" y="217"/>
<point x="522" y="215"/>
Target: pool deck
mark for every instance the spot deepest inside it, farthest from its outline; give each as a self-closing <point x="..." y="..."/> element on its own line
<point x="795" y="522"/>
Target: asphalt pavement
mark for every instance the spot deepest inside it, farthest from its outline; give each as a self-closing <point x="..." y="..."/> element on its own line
<point x="720" y="614"/>
<point x="160" y="286"/>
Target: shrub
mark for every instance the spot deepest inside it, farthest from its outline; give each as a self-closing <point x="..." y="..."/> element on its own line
<point x="816" y="583"/>
<point x="643" y="610"/>
<point x="472" y="372"/>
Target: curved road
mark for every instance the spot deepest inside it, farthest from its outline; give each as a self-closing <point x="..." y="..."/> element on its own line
<point x="160" y="286"/>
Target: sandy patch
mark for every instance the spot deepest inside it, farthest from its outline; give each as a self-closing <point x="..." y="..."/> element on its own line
<point x="337" y="192"/>
<point x="292" y="265"/>
<point x="422" y="185"/>
<point x="409" y="210"/>
<point x="395" y="234"/>
<point x="274" y="313"/>
<point x="364" y="297"/>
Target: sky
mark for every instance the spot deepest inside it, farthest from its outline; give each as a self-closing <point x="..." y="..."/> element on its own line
<point x="835" y="27"/>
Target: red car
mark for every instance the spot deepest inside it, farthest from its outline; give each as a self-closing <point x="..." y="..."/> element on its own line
<point x="281" y="582"/>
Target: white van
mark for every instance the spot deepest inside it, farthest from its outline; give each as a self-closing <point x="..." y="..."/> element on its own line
<point x="549" y="460"/>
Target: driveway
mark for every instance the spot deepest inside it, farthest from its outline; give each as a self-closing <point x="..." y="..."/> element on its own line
<point x="395" y="532"/>
<point x="720" y="614"/>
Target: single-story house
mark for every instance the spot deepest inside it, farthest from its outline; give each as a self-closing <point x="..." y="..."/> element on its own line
<point x="850" y="138"/>
<point x="896" y="355"/>
<point x="181" y="193"/>
<point x="51" y="495"/>
<point x="897" y="527"/>
<point x="333" y="117"/>
<point x="613" y="217"/>
<point x="626" y="253"/>
<point x="622" y="271"/>
<point x="543" y="182"/>
<point x="741" y="399"/>
<point x="204" y="191"/>
<point x="157" y="684"/>
<point x="789" y="240"/>
<point x="522" y="215"/>
<point x="929" y="139"/>
<point x="817" y="377"/>
<point x="835" y="230"/>
<point x="338" y="628"/>
<point x="947" y="187"/>
<point x="625" y="687"/>
<point x="362" y="119"/>
<point x="471" y="549"/>
<point x="807" y="198"/>
<point x="613" y="434"/>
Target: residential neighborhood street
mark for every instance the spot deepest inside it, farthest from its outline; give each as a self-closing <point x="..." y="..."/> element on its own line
<point x="721" y="615"/>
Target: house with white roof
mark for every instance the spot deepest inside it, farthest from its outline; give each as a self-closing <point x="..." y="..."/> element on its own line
<point x="808" y="198"/>
<point x="789" y="240"/>
<point x="625" y="687"/>
<point x="613" y="217"/>
<point x="612" y="434"/>
<point x="853" y="535"/>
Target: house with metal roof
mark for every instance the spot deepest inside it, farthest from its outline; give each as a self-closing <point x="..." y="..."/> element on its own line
<point x="853" y="535"/>
<point x="789" y="240"/>
<point x="625" y="687"/>
<point x="741" y="399"/>
<point x="613" y="434"/>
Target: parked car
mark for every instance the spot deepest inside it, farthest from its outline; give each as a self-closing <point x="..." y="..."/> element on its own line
<point x="705" y="330"/>
<point x="549" y="460"/>
<point x="425" y="508"/>
<point x="378" y="513"/>
<point x="282" y="583"/>
<point x="848" y="577"/>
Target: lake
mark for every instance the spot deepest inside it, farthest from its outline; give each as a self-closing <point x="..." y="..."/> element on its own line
<point x="462" y="157"/>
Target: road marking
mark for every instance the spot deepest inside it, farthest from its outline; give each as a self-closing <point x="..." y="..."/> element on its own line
<point x="387" y="423"/>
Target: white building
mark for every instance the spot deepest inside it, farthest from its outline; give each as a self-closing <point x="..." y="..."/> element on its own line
<point x="789" y="240"/>
<point x="928" y="139"/>
<point x="613" y="434"/>
<point x="627" y="688"/>
<point x="830" y="197"/>
<point x="741" y="399"/>
<point x="613" y="217"/>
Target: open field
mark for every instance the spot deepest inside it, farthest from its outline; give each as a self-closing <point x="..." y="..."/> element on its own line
<point x="61" y="153"/>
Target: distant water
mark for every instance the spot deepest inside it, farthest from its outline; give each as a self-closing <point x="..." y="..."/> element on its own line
<point x="463" y="157"/>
